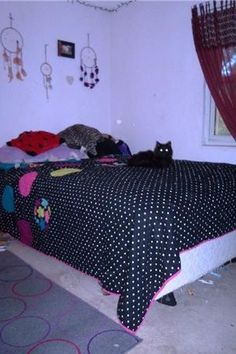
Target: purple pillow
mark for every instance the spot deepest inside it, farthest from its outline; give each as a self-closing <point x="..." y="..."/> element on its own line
<point x="11" y="154"/>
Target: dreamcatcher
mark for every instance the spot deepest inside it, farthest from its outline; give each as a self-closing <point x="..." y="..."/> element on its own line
<point x="88" y="66"/>
<point x="46" y="71"/>
<point x="12" y="42"/>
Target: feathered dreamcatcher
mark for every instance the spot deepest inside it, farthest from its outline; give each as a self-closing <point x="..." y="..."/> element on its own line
<point x="88" y="66"/>
<point x="46" y="71"/>
<point x="12" y="43"/>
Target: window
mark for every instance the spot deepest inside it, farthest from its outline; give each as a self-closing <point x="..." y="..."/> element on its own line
<point x="214" y="130"/>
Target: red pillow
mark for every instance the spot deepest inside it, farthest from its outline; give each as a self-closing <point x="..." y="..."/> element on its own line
<point x="34" y="143"/>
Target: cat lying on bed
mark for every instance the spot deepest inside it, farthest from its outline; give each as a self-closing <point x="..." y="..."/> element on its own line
<point x="161" y="157"/>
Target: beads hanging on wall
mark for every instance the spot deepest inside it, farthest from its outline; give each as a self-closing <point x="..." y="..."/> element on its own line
<point x="12" y="43"/>
<point x="46" y="71"/>
<point x="88" y="66"/>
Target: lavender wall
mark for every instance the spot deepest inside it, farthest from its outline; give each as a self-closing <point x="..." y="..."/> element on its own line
<point x="151" y="84"/>
<point x="157" y="83"/>
<point x="23" y="104"/>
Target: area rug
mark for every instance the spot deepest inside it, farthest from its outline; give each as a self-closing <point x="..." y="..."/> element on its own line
<point x="37" y="316"/>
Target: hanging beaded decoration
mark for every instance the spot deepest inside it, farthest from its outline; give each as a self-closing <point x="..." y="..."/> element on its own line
<point x="88" y="66"/>
<point x="46" y="71"/>
<point x="12" y="43"/>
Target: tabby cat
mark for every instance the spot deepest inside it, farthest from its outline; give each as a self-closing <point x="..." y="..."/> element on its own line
<point x="161" y="157"/>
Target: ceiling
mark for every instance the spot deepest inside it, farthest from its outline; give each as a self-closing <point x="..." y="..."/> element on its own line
<point x="110" y="6"/>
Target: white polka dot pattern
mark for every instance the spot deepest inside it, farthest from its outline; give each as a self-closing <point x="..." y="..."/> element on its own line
<point x="127" y="225"/>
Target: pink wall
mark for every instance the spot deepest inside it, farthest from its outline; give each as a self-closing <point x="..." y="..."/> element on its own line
<point x="157" y="83"/>
<point x="23" y="104"/>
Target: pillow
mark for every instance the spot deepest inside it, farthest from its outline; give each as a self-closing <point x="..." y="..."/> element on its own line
<point x="11" y="154"/>
<point x="35" y="142"/>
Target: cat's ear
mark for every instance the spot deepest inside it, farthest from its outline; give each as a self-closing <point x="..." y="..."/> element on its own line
<point x="169" y="143"/>
<point x="158" y="143"/>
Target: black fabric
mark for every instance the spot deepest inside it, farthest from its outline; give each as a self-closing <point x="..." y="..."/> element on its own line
<point x="107" y="147"/>
<point x="126" y="225"/>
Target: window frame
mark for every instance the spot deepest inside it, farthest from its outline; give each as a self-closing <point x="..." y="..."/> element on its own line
<point x="209" y="124"/>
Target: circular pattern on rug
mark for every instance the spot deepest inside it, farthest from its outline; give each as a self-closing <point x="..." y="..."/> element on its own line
<point x="42" y="213"/>
<point x="109" y="340"/>
<point x="32" y="287"/>
<point x="52" y="346"/>
<point x="25" y="331"/>
<point x="11" y="307"/>
<point x="10" y="274"/>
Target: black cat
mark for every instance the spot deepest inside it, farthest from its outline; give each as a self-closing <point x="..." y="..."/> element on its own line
<point x="161" y="157"/>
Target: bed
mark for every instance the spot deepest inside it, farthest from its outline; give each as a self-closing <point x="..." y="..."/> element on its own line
<point x="142" y="232"/>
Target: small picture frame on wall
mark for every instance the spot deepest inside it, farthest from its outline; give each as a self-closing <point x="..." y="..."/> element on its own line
<point x="65" y="49"/>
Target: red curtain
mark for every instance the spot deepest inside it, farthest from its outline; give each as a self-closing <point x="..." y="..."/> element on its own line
<point x="214" y="33"/>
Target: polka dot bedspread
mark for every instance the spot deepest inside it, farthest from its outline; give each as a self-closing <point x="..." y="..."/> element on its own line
<point x="123" y="225"/>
